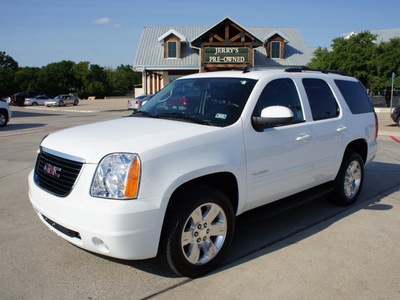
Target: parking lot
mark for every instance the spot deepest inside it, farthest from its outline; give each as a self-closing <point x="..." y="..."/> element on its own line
<point x="311" y="251"/>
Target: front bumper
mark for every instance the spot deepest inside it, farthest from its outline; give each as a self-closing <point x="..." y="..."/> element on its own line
<point x="125" y="229"/>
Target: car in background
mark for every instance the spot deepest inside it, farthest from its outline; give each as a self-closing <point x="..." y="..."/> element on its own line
<point x="396" y="115"/>
<point x="38" y="100"/>
<point x="63" y="100"/>
<point x="5" y="113"/>
<point x="18" y="99"/>
<point x="138" y="102"/>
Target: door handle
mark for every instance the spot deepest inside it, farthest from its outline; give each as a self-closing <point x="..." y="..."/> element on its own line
<point x="303" y="137"/>
<point x="341" y="128"/>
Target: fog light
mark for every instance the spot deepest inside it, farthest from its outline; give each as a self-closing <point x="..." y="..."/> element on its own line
<point x="100" y="245"/>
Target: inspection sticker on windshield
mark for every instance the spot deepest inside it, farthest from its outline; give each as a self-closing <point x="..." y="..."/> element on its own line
<point x="221" y="116"/>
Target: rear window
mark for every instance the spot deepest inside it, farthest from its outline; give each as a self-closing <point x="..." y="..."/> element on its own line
<point x="355" y="95"/>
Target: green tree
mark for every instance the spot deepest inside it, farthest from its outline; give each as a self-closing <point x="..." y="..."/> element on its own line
<point x="353" y="55"/>
<point x="123" y="79"/>
<point x="27" y="79"/>
<point x="386" y="62"/>
<point x="82" y="77"/>
<point x="8" y="68"/>
<point x="58" y="78"/>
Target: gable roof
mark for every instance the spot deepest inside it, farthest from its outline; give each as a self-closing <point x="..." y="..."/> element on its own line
<point x="150" y="54"/>
<point x="174" y="32"/>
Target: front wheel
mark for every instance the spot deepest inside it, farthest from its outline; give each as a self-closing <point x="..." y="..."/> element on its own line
<point x="398" y="121"/>
<point x="197" y="232"/>
<point x="349" y="181"/>
<point x="3" y="119"/>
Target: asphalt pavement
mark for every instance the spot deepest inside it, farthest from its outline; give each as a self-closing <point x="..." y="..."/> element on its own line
<point x="313" y="251"/>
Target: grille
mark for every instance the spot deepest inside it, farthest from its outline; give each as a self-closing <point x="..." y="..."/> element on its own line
<point x="56" y="174"/>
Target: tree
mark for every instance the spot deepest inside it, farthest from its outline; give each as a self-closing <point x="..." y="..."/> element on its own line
<point x="58" y="78"/>
<point x="8" y="67"/>
<point x="387" y="61"/>
<point x="353" y="55"/>
<point x="123" y="79"/>
<point x="27" y="79"/>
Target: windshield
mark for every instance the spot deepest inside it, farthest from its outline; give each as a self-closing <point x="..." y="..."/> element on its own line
<point x="211" y="101"/>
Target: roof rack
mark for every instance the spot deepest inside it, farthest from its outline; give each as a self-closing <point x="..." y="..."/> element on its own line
<point x="301" y="69"/>
<point x="244" y="70"/>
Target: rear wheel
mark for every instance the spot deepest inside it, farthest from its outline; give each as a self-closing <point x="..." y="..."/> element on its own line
<point x="61" y="103"/>
<point x="197" y="232"/>
<point x="34" y="104"/>
<point x="349" y="181"/>
<point x="398" y="121"/>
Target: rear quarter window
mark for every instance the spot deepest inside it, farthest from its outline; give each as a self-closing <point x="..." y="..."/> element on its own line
<point x="322" y="101"/>
<point x="355" y="95"/>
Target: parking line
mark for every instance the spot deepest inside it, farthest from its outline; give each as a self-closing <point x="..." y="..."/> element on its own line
<point x="394" y="139"/>
<point x="30" y="132"/>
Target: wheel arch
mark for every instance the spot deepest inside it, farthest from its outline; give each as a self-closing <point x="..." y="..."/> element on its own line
<point x="226" y="182"/>
<point x="5" y="112"/>
<point x="359" y="146"/>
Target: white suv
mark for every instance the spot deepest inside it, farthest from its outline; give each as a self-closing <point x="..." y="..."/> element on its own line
<point x="5" y="113"/>
<point x="170" y="180"/>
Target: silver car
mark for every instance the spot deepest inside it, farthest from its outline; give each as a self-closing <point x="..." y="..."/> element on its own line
<point x="138" y="102"/>
<point x="63" y="100"/>
<point x="38" y="100"/>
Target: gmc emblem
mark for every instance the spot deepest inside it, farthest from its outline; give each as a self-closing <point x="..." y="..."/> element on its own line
<point x="52" y="170"/>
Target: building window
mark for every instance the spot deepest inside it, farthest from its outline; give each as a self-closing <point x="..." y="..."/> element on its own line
<point x="275" y="49"/>
<point x="172" y="50"/>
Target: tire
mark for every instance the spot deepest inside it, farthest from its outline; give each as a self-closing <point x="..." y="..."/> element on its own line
<point x="61" y="103"/>
<point x="76" y="102"/>
<point x="349" y="181"/>
<point x="197" y="232"/>
<point x="398" y="121"/>
<point x="3" y="119"/>
<point x="34" y="104"/>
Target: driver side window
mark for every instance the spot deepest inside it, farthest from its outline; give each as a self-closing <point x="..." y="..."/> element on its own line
<point x="281" y="92"/>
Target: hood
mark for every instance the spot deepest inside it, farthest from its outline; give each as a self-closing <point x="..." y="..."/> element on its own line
<point x="131" y="134"/>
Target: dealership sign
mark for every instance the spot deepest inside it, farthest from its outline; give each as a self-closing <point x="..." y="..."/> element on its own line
<point x="226" y="55"/>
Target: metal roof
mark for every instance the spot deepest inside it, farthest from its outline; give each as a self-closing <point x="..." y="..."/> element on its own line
<point x="150" y="53"/>
<point x="383" y="35"/>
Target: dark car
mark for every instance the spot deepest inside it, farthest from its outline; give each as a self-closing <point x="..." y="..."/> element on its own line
<point x="19" y="98"/>
<point x="396" y="115"/>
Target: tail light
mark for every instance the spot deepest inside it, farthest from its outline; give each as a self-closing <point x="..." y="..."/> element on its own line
<point x="376" y="126"/>
<point x="184" y="101"/>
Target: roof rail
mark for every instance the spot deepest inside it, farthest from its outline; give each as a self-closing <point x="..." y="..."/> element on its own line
<point x="244" y="70"/>
<point x="301" y="69"/>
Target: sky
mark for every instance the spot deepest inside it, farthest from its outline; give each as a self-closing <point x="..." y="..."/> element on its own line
<point x="38" y="32"/>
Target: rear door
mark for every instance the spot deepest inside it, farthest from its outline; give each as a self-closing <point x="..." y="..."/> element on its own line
<point x="328" y="128"/>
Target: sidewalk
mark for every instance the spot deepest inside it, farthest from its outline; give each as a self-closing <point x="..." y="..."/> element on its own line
<point x="354" y="256"/>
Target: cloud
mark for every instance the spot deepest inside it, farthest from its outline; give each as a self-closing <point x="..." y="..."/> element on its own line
<point x="102" y="21"/>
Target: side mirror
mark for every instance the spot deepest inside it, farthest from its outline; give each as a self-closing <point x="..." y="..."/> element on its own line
<point x="273" y="116"/>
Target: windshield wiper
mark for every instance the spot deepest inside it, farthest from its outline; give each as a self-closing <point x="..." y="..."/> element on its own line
<point x="182" y="117"/>
<point x="143" y="113"/>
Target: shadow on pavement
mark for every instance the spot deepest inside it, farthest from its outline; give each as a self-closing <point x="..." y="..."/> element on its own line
<point x="23" y="114"/>
<point x="277" y="225"/>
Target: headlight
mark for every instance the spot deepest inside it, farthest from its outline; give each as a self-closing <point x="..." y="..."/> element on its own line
<point x="117" y="177"/>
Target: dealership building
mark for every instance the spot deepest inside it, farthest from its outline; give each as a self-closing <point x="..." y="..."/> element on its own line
<point x="166" y="53"/>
